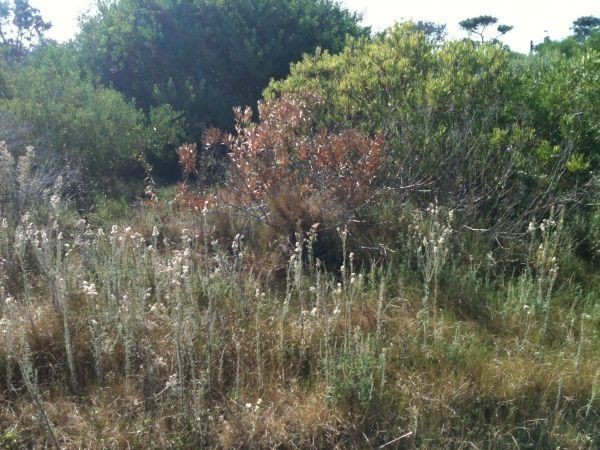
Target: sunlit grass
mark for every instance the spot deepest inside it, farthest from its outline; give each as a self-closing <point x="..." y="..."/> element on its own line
<point x="167" y="332"/>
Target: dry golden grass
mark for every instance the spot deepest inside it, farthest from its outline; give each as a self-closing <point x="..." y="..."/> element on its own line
<point x="177" y="348"/>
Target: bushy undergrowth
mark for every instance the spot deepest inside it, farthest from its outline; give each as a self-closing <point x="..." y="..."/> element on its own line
<point x="499" y="137"/>
<point x="401" y="252"/>
<point x="166" y="332"/>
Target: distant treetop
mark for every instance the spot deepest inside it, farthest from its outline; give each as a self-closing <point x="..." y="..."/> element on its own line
<point x="477" y="25"/>
<point x="585" y="26"/>
<point x="21" y="28"/>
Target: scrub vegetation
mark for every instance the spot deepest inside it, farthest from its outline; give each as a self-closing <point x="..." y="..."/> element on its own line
<point x="393" y="242"/>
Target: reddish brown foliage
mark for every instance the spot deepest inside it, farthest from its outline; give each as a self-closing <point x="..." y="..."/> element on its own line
<point x="283" y="154"/>
<point x="284" y="162"/>
<point x="187" y="159"/>
<point x="193" y="200"/>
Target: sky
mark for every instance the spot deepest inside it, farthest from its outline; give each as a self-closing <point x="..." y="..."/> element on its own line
<point x="532" y="19"/>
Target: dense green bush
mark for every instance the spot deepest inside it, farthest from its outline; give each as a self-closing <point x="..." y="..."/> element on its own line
<point x="205" y="56"/>
<point x="96" y="128"/>
<point x="497" y="136"/>
<point x="564" y="104"/>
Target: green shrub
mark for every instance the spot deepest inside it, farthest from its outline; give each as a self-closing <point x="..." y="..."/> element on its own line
<point x="91" y="127"/>
<point x="475" y="127"/>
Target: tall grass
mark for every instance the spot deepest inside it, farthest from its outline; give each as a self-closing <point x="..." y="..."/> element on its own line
<point x="185" y="340"/>
<point x="179" y="329"/>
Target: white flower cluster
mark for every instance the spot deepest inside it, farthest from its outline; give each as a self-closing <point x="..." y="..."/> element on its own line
<point x="177" y="267"/>
<point x="89" y="289"/>
<point x="255" y="407"/>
